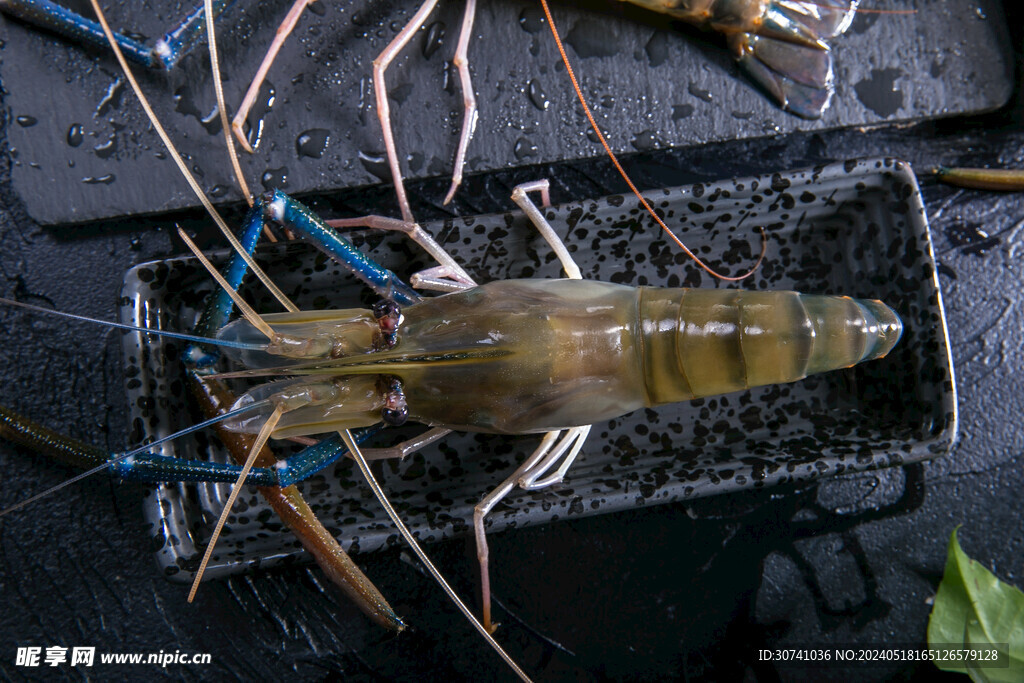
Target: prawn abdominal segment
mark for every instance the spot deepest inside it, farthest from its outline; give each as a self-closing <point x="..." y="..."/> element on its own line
<point x="532" y="356"/>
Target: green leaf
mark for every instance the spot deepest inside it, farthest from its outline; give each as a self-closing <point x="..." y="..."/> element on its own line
<point x="975" y="609"/>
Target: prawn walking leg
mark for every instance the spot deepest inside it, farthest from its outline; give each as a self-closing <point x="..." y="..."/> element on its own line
<point x="380" y="66"/>
<point x="447" y="276"/>
<point x="283" y="31"/>
<point x="551" y="448"/>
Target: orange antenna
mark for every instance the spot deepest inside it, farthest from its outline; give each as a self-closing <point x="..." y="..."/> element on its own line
<point x="625" y="176"/>
<point x="864" y="10"/>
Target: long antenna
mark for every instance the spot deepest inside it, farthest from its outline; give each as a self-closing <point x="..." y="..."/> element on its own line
<point x="364" y="467"/>
<point x="135" y="328"/>
<point x="625" y="176"/>
<point x="264" y="278"/>
<point x="218" y="88"/>
<point x="257" y="446"/>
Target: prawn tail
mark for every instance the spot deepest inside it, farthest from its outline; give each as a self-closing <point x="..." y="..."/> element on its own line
<point x="789" y="57"/>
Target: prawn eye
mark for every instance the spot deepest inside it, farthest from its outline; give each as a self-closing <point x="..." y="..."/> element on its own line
<point x="395" y="417"/>
<point x="395" y="411"/>
<point x="389" y="317"/>
<point x="386" y="309"/>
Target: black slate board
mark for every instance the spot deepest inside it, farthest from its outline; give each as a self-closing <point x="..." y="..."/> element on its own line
<point x="651" y="83"/>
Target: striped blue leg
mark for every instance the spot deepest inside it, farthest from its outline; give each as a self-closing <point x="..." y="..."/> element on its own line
<point x="165" y="54"/>
<point x="153" y="468"/>
<point x="289" y="212"/>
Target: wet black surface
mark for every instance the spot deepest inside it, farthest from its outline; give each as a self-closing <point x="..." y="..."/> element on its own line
<point x="80" y="142"/>
<point x="666" y="592"/>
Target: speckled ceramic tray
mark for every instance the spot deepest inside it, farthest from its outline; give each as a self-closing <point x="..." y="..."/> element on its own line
<point x="856" y="228"/>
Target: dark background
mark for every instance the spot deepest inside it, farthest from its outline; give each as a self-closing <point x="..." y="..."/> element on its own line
<point x="673" y="591"/>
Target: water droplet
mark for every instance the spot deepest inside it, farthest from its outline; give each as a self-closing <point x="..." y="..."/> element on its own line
<point x="377" y="165"/>
<point x="972" y="238"/>
<point x="524" y="149"/>
<point x="112" y="99"/>
<point x="184" y="103"/>
<point x="536" y="95"/>
<point x="433" y="39"/>
<point x="532" y="19"/>
<point x="27" y="121"/>
<point x="254" y="122"/>
<point x="218" y="191"/>
<point x="742" y="115"/>
<point x="275" y="178"/>
<point x="681" y="111"/>
<point x="101" y="180"/>
<point x="699" y="93"/>
<point x="451" y="78"/>
<point x="400" y="93"/>
<point x="657" y="48"/>
<point x="879" y="93"/>
<point x="135" y="244"/>
<point x="415" y="161"/>
<point x="591" y="38"/>
<point x="106" y="149"/>
<point x="312" y="143"/>
<point x="594" y="137"/>
<point x="607" y="101"/>
<point x="646" y="140"/>
<point x="76" y="134"/>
